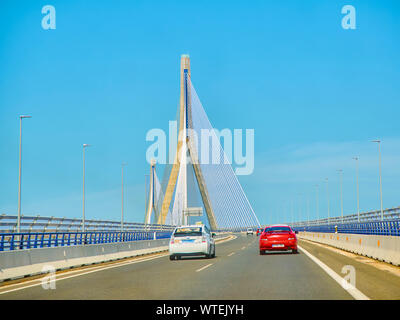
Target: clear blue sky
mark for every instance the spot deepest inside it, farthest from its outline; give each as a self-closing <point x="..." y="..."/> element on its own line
<point x="314" y="93"/>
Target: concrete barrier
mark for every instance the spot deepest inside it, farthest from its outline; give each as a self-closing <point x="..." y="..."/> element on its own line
<point x="383" y="248"/>
<point x="20" y="263"/>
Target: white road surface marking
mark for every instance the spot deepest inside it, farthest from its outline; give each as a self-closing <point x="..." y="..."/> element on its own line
<point x="353" y="291"/>
<point x="198" y="270"/>
<point x="65" y="276"/>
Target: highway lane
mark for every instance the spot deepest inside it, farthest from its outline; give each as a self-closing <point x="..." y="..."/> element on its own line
<point x="237" y="272"/>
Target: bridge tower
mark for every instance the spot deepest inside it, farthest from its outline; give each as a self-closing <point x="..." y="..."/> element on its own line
<point x="185" y="149"/>
<point x="151" y="204"/>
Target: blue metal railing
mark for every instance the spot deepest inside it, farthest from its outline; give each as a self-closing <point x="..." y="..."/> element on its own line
<point x="14" y="241"/>
<point x="8" y="224"/>
<point x="370" y="216"/>
<point x="385" y="228"/>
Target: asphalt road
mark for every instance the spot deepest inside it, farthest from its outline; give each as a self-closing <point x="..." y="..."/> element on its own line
<point x="237" y="272"/>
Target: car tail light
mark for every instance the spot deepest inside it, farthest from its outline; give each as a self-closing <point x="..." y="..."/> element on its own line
<point x="264" y="236"/>
<point x="172" y="240"/>
<point x="203" y="239"/>
<point x="291" y="238"/>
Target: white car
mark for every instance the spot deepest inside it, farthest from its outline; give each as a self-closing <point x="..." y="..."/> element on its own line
<point x="191" y="240"/>
<point x="249" y="231"/>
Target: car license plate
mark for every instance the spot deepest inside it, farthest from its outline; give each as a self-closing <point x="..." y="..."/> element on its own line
<point x="278" y="245"/>
<point x="187" y="240"/>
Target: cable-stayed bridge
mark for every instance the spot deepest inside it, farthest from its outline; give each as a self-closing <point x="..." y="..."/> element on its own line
<point x="200" y="167"/>
<point x="347" y="257"/>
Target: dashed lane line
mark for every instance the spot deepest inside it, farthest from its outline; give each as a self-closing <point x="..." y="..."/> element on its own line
<point x="39" y="281"/>
<point x="77" y="273"/>
<point x="201" y="269"/>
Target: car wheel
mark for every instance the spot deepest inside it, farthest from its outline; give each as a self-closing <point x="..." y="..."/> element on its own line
<point x="294" y="251"/>
<point x="262" y="252"/>
<point x="171" y="257"/>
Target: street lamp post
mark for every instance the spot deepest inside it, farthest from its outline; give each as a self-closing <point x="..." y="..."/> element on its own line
<point x="284" y="211"/>
<point x="20" y="171"/>
<point x="327" y="195"/>
<point x="83" y="201"/>
<point x="146" y="193"/>
<point x="122" y="196"/>
<point x="299" y="208"/>
<point x="380" y="174"/>
<point x="291" y="211"/>
<point x="317" y="205"/>
<point x="341" y="191"/>
<point x="358" y="194"/>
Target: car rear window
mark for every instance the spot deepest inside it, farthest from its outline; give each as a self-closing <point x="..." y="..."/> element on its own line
<point x="188" y="231"/>
<point x="277" y="229"/>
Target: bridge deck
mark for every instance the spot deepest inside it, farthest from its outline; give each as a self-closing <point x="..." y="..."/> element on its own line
<point x="238" y="272"/>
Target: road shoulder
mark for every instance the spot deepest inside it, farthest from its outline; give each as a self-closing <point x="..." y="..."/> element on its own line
<point x="378" y="282"/>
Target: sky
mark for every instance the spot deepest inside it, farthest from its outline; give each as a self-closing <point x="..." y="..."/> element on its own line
<point x="314" y="93"/>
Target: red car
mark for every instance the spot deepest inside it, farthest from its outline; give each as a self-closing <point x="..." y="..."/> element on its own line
<point x="278" y="238"/>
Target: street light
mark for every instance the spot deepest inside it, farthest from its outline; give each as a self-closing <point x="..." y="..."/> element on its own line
<point x="358" y="194"/>
<point x="300" y="200"/>
<point x="283" y="212"/>
<point x="146" y="194"/>
<point x="380" y="174"/>
<point x="20" y="170"/>
<point x="316" y="186"/>
<point x="341" y="191"/>
<point x="327" y="195"/>
<point x="122" y="196"/>
<point x="83" y="204"/>
<point x="291" y="211"/>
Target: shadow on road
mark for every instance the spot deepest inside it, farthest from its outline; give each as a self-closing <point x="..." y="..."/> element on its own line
<point x="195" y="258"/>
<point x="279" y="253"/>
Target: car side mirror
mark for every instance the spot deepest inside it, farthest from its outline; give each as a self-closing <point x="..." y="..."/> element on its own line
<point x="296" y="232"/>
<point x="213" y="235"/>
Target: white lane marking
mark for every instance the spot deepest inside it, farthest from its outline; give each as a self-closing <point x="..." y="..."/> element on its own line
<point x="83" y="273"/>
<point x="228" y="239"/>
<point x="43" y="276"/>
<point x="243" y="248"/>
<point x="231" y="254"/>
<point x="353" y="291"/>
<point x="198" y="270"/>
<point x="67" y="275"/>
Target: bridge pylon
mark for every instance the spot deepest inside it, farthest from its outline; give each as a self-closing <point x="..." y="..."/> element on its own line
<point x="152" y="199"/>
<point x="186" y="148"/>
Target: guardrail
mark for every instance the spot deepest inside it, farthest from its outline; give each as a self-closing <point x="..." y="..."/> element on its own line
<point x="19" y="241"/>
<point x="384" y="228"/>
<point x="8" y="224"/>
<point x="370" y="216"/>
<point x="254" y="228"/>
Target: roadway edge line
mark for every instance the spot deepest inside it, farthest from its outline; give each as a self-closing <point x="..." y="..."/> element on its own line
<point x="94" y="269"/>
<point x="83" y="273"/>
<point x="353" y="291"/>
